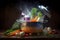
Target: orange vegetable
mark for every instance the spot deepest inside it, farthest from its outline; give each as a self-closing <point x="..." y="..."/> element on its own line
<point x="14" y="32"/>
<point x="34" y="19"/>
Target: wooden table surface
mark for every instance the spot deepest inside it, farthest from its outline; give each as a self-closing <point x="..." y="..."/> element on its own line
<point x="3" y="36"/>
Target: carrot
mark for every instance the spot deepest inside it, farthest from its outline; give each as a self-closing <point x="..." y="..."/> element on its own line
<point x="34" y="19"/>
<point x="14" y="32"/>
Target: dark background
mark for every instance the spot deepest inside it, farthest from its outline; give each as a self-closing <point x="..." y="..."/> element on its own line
<point x="9" y="12"/>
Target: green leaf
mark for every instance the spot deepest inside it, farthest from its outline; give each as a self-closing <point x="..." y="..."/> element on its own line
<point x="33" y="11"/>
<point x="8" y="31"/>
<point x="15" y="25"/>
<point x="40" y="14"/>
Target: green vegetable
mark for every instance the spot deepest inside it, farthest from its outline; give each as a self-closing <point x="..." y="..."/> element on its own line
<point x="36" y="12"/>
<point x="8" y="31"/>
<point x="15" y="25"/>
<point x="33" y="11"/>
<point x="39" y="14"/>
